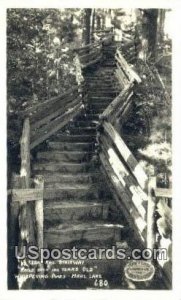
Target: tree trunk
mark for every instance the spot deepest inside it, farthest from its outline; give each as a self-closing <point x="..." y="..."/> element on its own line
<point x="93" y="24"/>
<point x="161" y="22"/>
<point x="98" y="23"/>
<point x="148" y="33"/>
<point x="87" y="25"/>
<point x="152" y="31"/>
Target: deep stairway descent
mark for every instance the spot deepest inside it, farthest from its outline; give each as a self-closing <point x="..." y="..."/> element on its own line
<point x="76" y="198"/>
<point x="79" y="209"/>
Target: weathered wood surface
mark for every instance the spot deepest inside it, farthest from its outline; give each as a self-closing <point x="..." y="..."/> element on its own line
<point x="91" y="62"/>
<point x="25" y="215"/>
<point x="25" y="212"/>
<point x="151" y="213"/>
<point x="70" y="211"/>
<point x="26" y="195"/>
<point x="123" y="80"/>
<point x="163" y="193"/>
<point x="124" y="197"/>
<point x="137" y="196"/>
<point x="56" y="112"/>
<point x="49" y="129"/>
<point x="122" y="109"/>
<point x="126" y="154"/>
<point x="43" y="105"/>
<point x="117" y="102"/>
<point x="123" y="172"/>
<point x="129" y="72"/>
<point x="89" y="54"/>
<point x="125" y="210"/>
<point x="25" y="153"/>
<point x="45" y="111"/>
<point x="39" y="215"/>
<point x="89" y="232"/>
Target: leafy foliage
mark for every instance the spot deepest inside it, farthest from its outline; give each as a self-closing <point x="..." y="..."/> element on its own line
<point x="40" y="60"/>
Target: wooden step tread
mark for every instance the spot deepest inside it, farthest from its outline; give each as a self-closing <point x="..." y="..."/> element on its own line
<point x="67" y="186"/>
<point x="70" y="191"/>
<point x="100" y="97"/>
<point x="62" y="152"/>
<point x="76" y="191"/>
<point x="83" y="226"/>
<point x="59" y="212"/>
<point x="73" y="204"/>
<point x="65" y="156"/>
<point x="65" y="178"/>
<point x="75" y="137"/>
<point x="69" y="146"/>
<point x="66" y="167"/>
<point x="56" y="236"/>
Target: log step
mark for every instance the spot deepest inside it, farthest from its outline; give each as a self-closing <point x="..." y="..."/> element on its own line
<point x="88" y="232"/>
<point x="88" y="116"/>
<point x="65" y="156"/>
<point x="100" y="99"/>
<point x="87" y="123"/>
<point x="74" y="138"/>
<point x="58" y="213"/>
<point x="96" y="110"/>
<point x="103" y="93"/>
<point x="68" y="146"/>
<point x="63" y="167"/>
<point x="102" y="86"/>
<point x="67" y="192"/>
<point x="94" y="99"/>
<point x="101" y="77"/>
<point x="82" y="130"/>
<point x="56" y="177"/>
<point x="99" y="105"/>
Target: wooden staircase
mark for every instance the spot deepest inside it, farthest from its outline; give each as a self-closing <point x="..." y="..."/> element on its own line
<point x="76" y="195"/>
<point x="86" y="187"/>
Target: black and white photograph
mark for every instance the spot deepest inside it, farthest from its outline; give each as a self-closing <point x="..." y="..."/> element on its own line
<point x="89" y="148"/>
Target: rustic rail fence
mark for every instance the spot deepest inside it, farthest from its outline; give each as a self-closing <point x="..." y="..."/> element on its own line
<point x="126" y="76"/>
<point x="40" y="122"/>
<point x="89" y="54"/>
<point x="26" y="193"/>
<point x="26" y="206"/>
<point x="104" y="35"/>
<point x="123" y="171"/>
<point x="130" y="46"/>
<point x="51" y="115"/>
<point x="135" y="193"/>
<point x="127" y="180"/>
<point x="162" y="228"/>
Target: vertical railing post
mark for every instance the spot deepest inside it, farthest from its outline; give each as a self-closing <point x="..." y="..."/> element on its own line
<point x="25" y="216"/>
<point x="39" y="217"/>
<point x="151" y="212"/>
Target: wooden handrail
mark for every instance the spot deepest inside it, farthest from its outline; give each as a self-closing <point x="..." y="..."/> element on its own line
<point x="117" y="102"/>
<point x="89" y="54"/>
<point x="91" y="45"/>
<point x="129" y="72"/>
<point x="51" y="115"/>
<point x="126" y="154"/>
<point x="126" y="175"/>
<point x="127" y="78"/>
<point x="42" y="104"/>
<point x="22" y="211"/>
